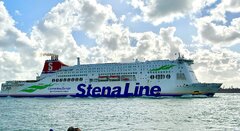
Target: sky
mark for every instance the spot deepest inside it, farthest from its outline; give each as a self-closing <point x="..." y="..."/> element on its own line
<point x="99" y="31"/>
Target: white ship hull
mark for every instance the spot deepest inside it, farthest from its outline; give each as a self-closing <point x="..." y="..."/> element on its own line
<point x="129" y="89"/>
<point x="153" y="79"/>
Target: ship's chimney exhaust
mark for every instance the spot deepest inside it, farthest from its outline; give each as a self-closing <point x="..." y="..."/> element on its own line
<point x="78" y="61"/>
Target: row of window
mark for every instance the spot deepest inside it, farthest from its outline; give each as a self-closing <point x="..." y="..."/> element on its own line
<point x="112" y="73"/>
<point x="87" y="69"/>
<point x="168" y="76"/>
<point x="67" y="79"/>
<point x="122" y="73"/>
<point x="116" y="66"/>
<point x="72" y="75"/>
<point x="159" y="72"/>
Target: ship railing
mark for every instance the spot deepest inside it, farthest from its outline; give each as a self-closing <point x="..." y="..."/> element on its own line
<point x="31" y="81"/>
<point x="5" y="87"/>
<point x="14" y="83"/>
<point x="205" y="84"/>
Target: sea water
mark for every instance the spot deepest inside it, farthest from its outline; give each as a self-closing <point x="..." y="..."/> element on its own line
<point x="222" y="112"/>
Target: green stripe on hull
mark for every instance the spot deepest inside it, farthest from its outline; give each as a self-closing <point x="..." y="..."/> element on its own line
<point x="165" y="67"/>
<point x="35" y="87"/>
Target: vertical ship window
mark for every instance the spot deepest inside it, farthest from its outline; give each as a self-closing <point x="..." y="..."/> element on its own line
<point x="68" y="79"/>
<point x="60" y="80"/>
<point x="168" y="76"/>
<point x="157" y="76"/>
<point x="57" y="80"/>
<point x="162" y="76"/>
<point x="72" y="79"/>
<point x="64" y="79"/>
<point x="53" y="80"/>
<point x="76" y="79"/>
<point x="152" y="77"/>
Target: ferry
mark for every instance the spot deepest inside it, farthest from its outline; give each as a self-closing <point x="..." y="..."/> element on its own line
<point x="155" y="78"/>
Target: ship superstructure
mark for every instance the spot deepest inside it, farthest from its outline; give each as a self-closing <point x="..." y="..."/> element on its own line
<point x="149" y="78"/>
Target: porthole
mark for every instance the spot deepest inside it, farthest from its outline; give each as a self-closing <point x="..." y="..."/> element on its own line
<point x="76" y="79"/>
<point x="152" y="77"/>
<point x="162" y="76"/>
<point x="168" y="76"/>
<point x="157" y="76"/>
<point x="72" y="79"/>
<point x="53" y="80"/>
<point x="68" y="79"/>
<point x="60" y="80"/>
<point x="57" y="80"/>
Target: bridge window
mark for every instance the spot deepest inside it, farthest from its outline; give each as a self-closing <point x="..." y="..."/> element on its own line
<point x="181" y="76"/>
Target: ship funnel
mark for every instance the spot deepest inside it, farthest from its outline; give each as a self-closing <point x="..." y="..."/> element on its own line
<point x="53" y="65"/>
<point x="78" y="61"/>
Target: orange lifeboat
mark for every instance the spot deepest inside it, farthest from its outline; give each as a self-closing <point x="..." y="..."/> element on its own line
<point x="114" y="78"/>
<point x="102" y="78"/>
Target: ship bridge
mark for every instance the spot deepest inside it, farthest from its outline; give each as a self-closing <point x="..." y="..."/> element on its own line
<point x="181" y="60"/>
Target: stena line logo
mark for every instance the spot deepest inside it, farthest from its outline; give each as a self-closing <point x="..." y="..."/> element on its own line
<point x="50" y="66"/>
<point x="117" y="91"/>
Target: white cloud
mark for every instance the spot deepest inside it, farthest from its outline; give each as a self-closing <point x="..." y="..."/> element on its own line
<point x="231" y="5"/>
<point x="17" y="12"/>
<point x="217" y="65"/>
<point x="54" y="34"/>
<point x="212" y="29"/>
<point x="160" y="11"/>
<point x="123" y="18"/>
<point x="209" y="32"/>
<point x="16" y="50"/>
<point x="219" y="12"/>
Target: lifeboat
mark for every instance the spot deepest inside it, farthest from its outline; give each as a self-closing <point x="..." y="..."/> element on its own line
<point x="102" y="78"/>
<point x="125" y="79"/>
<point x="114" y="78"/>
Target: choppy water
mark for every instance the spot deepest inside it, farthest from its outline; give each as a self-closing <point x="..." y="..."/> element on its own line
<point x="92" y="114"/>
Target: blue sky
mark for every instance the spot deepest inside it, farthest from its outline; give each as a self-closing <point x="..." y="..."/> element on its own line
<point x="31" y="12"/>
<point x="207" y="31"/>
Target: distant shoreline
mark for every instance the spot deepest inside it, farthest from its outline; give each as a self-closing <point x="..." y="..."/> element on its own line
<point x="229" y="90"/>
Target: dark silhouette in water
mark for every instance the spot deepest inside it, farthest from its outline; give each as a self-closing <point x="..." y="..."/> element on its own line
<point x="229" y="90"/>
<point x="73" y="129"/>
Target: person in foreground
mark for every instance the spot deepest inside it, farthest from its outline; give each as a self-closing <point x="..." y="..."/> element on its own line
<point x="73" y="129"/>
